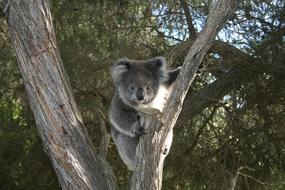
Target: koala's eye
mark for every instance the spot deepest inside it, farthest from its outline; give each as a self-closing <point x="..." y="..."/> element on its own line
<point x="132" y="87"/>
<point x="148" y="88"/>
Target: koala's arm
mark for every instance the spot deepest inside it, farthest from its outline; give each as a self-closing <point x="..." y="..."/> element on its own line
<point x="172" y="76"/>
<point x="125" y="119"/>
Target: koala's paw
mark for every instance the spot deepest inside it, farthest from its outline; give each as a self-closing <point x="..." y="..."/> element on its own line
<point x="138" y="130"/>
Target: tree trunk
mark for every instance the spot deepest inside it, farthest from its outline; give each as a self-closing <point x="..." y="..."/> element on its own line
<point x="57" y="117"/>
<point x="149" y="157"/>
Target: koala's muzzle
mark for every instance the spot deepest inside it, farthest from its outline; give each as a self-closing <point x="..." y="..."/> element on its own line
<point x="140" y="94"/>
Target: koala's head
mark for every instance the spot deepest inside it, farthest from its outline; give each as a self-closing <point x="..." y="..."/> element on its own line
<point x="138" y="81"/>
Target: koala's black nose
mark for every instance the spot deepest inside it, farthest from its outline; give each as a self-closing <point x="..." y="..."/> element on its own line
<point x="140" y="94"/>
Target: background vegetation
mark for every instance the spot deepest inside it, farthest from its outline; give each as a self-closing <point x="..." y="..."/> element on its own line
<point x="232" y="123"/>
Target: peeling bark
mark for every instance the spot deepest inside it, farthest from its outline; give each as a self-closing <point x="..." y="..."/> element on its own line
<point x="58" y="120"/>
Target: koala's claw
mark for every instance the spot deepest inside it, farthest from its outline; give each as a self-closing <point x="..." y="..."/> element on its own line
<point x="140" y="131"/>
<point x="138" y="117"/>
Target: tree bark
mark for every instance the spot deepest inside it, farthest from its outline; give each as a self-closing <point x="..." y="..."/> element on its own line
<point x="149" y="157"/>
<point x="58" y="120"/>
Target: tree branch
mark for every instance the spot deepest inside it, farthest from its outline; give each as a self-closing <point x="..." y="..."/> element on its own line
<point x="244" y="68"/>
<point x="149" y="157"/>
<point x="6" y="6"/>
<point x="58" y="120"/>
<point x="220" y="12"/>
<point x="211" y="94"/>
<point x="189" y="20"/>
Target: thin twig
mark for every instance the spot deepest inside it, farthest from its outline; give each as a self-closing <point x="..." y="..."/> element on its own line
<point x="254" y="179"/>
<point x="6" y="7"/>
<point x="189" y="20"/>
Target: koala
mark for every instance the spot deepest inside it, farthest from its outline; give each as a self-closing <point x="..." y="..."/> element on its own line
<point x="141" y="87"/>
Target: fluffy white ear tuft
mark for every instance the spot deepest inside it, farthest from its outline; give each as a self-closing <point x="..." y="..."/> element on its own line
<point x="119" y="68"/>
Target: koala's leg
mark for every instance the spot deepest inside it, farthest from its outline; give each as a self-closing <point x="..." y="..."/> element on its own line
<point x="126" y="147"/>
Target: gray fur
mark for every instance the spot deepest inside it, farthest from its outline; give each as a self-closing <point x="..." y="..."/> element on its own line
<point x="137" y="84"/>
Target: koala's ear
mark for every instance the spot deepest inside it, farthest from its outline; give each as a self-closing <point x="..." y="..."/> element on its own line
<point x="119" y="68"/>
<point x="160" y="63"/>
<point x="172" y="76"/>
<point x="160" y="68"/>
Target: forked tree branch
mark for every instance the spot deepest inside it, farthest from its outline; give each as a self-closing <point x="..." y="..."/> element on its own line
<point x="220" y="12"/>
<point x="149" y="157"/>
<point x="244" y="68"/>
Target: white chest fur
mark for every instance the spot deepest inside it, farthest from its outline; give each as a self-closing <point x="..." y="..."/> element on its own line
<point x="158" y="102"/>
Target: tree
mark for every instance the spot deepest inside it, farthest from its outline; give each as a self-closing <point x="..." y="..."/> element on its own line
<point x="57" y="117"/>
<point x="58" y="120"/>
<point x="230" y="126"/>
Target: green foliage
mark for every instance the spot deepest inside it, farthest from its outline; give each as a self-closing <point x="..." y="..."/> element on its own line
<point x="241" y="133"/>
<point x="23" y="162"/>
